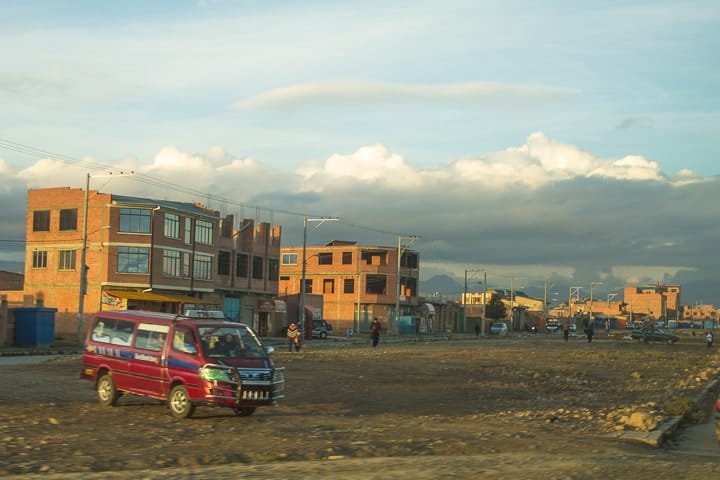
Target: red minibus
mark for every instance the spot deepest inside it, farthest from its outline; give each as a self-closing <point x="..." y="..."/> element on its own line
<point x="182" y="360"/>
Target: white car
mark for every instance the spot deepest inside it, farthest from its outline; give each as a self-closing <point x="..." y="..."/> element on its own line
<point x="499" y="328"/>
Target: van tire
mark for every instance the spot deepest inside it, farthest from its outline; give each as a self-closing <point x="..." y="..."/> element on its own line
<point x="244" y="411"/>
<point x="106" y="391"/>
<point x="179" y="402"/>
<point x="323" y="335"/>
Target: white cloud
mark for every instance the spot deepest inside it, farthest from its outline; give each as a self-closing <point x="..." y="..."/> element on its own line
<point x="362" y="93"/>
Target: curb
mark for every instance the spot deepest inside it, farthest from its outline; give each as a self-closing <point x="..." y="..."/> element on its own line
<point x="656" y="437"/>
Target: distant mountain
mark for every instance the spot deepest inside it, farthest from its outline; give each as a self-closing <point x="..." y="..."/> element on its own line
<point x="440" y="285"/>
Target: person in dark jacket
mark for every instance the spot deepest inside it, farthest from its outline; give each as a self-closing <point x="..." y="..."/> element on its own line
<point x="590" y="331"/>
<point x="375" y="328"/>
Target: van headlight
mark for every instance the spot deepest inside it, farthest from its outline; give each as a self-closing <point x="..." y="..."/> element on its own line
<point x="216" y="374"/>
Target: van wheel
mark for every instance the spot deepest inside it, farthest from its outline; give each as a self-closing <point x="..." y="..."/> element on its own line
<point x="323" y="335"/>
<point x="244" y="411"/>
<point x="106" y="391"/>
<point x="179" y="402"/>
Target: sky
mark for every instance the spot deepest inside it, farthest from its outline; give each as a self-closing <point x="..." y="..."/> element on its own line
<point x="535" y="143"/>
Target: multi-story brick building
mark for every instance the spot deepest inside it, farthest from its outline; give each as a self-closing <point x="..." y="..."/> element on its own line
<point x="657" y="301"/>
<point x="145" y="254"/>
<point x="357" y="283"/>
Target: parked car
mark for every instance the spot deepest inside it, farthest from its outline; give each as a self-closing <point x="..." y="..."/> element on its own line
<point x="499" y="328"/>
<point x="653" y="334"/>
<point x="321" y="329"/>
<point x="552" y="325"/>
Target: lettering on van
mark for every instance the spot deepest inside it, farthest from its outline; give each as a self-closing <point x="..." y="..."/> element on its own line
<point x="146" y="357"/>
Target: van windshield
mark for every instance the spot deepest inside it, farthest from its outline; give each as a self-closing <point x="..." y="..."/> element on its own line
<point x="230" y="342"/>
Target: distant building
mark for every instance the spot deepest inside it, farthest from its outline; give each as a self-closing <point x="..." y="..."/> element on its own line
<point x="657" y="301"/>
<point x="357" y="282"/>
<point x="11" y="281"/>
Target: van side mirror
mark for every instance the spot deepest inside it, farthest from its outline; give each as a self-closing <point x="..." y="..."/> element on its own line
<point x="269" y="349"/>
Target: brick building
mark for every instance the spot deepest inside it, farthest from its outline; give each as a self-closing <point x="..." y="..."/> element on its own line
<point x="656" y="301"/>
<point x="357" y="282"/>
<point x="11" y="281"/>
<point x="146" y="254"/>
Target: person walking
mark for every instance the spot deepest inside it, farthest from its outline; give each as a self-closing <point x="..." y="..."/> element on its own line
<point x="294" y="337"/>
<point x="375" y="328"/>
<point x="590" y="331"/>
<point x="709" y="339"/>
<point x="566" y="330"/>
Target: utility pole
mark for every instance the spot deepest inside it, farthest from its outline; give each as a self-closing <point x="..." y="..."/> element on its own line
<point x="83" y="261"/>
<point x="308" y="325"/>
<point x="411" y="239"/>
<point x="591" y="298"/>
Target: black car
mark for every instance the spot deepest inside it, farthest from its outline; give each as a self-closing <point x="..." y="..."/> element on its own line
<point x="654" y="334"/>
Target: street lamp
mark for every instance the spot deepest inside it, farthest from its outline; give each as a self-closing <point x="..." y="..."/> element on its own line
<point x="591" y="298"/>
<point x="610" y="297"/>
<point x="308" y="325"/>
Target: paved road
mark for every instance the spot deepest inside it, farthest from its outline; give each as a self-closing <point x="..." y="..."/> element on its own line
<point x="26" y="359"/>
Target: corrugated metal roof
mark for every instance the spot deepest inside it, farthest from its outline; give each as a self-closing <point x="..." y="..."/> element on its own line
<point x="185" y="207"/>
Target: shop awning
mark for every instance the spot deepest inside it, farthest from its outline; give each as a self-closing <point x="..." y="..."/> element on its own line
<point x="159" y="297"/>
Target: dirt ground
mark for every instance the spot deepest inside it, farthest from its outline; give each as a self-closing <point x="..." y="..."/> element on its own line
<point x="554" y="408"/>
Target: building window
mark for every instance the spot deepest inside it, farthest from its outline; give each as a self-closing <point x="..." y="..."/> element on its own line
<point x="68" y="219"/>
<point x="325" y="258"/>
<point x="375" y="284"/>
<point x="273" y="269"/>
<point x="132" y="260"/>
<point x="171" y="263"/>
<point x="349" y="285"/>
<point x="203" y="232"/>
<point x="188" y="230"/>
<point x="223" y="263"/>
<point x="66" y="260"/>
<point x="41" y="221"/>
<point x="289" y="259"/>
<point x="186" y="265"/>
<point x="347" y="258"/>
<point x="226" y="227"/>
<point x="284" y="278"/>
<point x="202" y="267"/>
<point x="241" y="265"/>
<point x="257" y="268"/>
<point x="39" y="259"/>
<point x="308" y="285"/>
<point x="409" y="260"/>
<point x="134" y="220"/>
<point x="329" y="285"/>
<point x="172" y="225"/>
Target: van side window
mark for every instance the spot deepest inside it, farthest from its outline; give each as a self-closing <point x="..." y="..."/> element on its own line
<point x="184" y="341"/>
<point x="116" y="332"/>
<point x="151" y="336"/>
